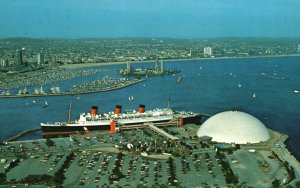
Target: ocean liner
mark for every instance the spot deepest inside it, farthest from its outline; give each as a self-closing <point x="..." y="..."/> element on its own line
<point x="114" y="120"/>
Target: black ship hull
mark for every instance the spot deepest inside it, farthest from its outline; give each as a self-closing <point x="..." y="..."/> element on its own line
<point x="54" y="131"/>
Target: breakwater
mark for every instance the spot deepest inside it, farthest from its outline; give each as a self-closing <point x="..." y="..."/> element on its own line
<point x="86" y="88"/>
<point x="17" y="136"/>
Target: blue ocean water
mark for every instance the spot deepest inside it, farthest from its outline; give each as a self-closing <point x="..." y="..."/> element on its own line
<point x="208" y="86"/>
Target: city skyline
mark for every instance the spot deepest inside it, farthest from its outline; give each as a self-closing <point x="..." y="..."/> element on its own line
<point x="171" y="19"/>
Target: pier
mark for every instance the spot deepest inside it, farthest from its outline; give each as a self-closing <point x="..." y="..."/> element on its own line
<point x="158" y="70"/>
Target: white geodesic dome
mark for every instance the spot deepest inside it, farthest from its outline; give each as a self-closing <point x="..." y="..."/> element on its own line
<point x="234" y="127"/>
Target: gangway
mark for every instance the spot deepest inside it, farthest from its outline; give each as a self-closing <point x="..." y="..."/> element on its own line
<point x="160" y="131"/>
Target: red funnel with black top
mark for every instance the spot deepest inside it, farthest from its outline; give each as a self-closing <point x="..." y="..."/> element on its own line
<point x="94" y="110"/>
<point x="118" y="109"/>
<point x="141" y="108"/>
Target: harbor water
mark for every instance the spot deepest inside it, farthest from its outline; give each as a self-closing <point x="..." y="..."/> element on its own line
<point x="265" y="87"/>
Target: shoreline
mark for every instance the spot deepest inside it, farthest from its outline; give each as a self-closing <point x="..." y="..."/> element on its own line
<point x="83" y="65"/>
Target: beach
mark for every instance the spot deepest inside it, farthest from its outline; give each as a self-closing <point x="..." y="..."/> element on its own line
<point x="83" y="65"/>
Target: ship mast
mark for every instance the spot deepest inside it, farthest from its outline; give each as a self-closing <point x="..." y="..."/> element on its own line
<point x="69" y="115"/>
<point x="169" y="101"/>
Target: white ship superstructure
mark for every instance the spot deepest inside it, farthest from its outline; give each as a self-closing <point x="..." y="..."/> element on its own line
<point x="93" y="121"/>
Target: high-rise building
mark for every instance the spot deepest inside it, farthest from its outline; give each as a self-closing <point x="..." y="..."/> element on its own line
<point x="18" y="59"/>
<point x="208" y="51"/>
<point x="40" y="58"/>
<point x="128" y="67"/>
<point x="52" y="59"/>
<point x="161" y="67"/>
<point x="2" y="63"/>
<point x="299" y="48"/>
<point x="190" y="53"/>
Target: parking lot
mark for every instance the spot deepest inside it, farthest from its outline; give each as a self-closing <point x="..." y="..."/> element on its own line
<point x="135" y="158"/>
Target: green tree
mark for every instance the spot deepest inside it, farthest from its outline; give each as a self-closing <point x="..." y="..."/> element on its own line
<point x="276" y="183"/>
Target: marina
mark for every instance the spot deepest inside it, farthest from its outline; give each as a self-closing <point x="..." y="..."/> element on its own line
<point x="45" y="76"/>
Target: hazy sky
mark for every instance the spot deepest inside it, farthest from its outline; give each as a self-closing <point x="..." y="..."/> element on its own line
<point x="149" y="18"/>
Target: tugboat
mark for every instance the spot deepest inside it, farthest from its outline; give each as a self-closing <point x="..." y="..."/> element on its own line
<point x="5" y="93"/>
<point x="93" y="121"/>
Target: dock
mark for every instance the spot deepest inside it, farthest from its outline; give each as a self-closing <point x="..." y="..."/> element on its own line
<point x="158" y="70"/>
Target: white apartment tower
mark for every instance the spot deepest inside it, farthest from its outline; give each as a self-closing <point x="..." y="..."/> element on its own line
<point x="208" y="51"/>
<point x="128" y="67"/>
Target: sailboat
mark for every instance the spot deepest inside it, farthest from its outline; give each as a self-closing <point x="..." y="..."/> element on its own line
<point x="55" y="90"/>
<point x="130" y="98"/>
<point x="239" y="85"/>
<point x="254" y="95"/>
<point x="5" y="93"/>
<point x="23" y="91"/>
<point x="42" y="92"/>
<point x="45" y="104"/>
<point x="179" y="79"/>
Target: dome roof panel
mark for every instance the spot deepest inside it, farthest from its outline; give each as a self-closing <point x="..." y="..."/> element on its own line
<point x="234" y="127"/>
